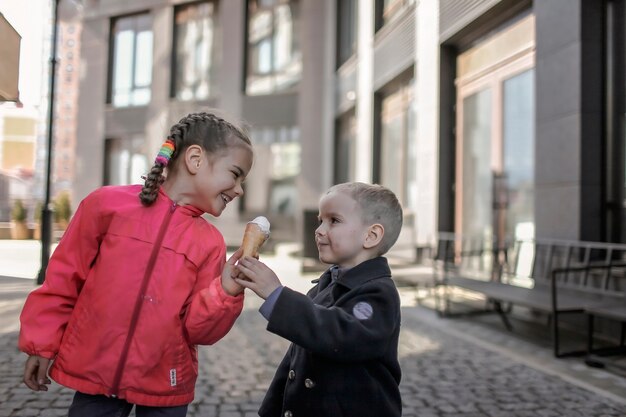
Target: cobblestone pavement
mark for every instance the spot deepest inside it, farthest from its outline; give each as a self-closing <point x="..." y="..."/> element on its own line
<point x="450" y="368"/>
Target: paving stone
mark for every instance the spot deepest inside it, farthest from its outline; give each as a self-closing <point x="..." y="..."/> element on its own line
<point x="444" y="374"/>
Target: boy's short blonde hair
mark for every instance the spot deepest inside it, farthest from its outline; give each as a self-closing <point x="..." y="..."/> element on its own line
<point x="378" y="205"/>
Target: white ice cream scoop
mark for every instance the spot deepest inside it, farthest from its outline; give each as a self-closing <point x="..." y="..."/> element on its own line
<point x="256" y="233"/>
<point x="263" y="223"/>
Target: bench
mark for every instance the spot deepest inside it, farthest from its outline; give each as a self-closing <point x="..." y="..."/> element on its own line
<point x="612" y="310"/>
<point x="549" y="276"/>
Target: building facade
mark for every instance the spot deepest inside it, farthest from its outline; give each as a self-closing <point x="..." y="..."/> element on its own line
<point x="18" y="138"/>
<point x="532" y="119"/>
<point x="487" y="117"/>
<point x="66" y="101"/>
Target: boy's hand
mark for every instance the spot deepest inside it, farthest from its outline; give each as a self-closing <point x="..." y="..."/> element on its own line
<point x="229" y="273"/>
<point x="260" y="278"/>
<point x="36" y="373"/>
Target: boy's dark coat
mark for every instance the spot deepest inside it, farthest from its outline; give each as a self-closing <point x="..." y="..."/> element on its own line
<point x="338" y="365"/>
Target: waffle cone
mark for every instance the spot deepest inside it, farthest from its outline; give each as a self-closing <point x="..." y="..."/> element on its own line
<point x="253" y="239"/>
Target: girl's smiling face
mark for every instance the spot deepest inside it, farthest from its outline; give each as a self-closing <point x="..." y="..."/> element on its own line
<point x="220" y="176"/>
<point x="341" y="234"/>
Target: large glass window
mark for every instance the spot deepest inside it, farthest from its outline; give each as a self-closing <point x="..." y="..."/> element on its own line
<point x="346" y="30"/>
<point x="194" y="54"/>
<point x="125" y="162"/>
<point x="518" y="134"/>
<point x="271" y="186"/>
<point x="274" y="58"/>
<point x="396" y="128"/>
<point x="477" y="173"/>
<point x="131" y="58"/>
<point x="285" y="169"/>
<point x="496" y="135"/>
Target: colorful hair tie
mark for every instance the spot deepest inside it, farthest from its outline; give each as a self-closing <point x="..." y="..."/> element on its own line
<point x="165" y="153"/>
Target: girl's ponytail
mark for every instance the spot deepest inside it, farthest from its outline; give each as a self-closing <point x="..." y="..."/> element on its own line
<point x="155" y="177"/>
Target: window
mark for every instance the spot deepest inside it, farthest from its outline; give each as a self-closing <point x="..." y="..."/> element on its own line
<point x="285" y="168"/>
<point x="125" y="161"/>
<point x="274" y="61"/>
<point x="280" y="148"/>
<point x="194" y="51"/>
<point x="518" y="152"/>
<point x="495" y="135"/>
<point x="476" y="178"/>
<point x="397" y="151"/>
<point x="387" y="10"/>
<point x="346" y="30"/>
<point x="131" y="58"/>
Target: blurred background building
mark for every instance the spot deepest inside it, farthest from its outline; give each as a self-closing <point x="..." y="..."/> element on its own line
<point x="24" y="121"/>
<point x="486" y="117"/>
<point x="9" y="92"/>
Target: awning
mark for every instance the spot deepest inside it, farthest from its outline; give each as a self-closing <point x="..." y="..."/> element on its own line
<point x="9" y="61"/>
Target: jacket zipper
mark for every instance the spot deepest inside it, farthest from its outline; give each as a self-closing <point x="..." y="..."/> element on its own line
<point x="139" y="302"/>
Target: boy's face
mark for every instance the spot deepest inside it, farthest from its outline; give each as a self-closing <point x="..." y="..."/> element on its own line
<point x="341" y="233"/>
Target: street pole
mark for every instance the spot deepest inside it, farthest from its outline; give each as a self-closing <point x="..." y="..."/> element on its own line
<point x="46" y="211"/>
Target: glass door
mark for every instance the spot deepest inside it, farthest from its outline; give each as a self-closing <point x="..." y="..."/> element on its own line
<point x="518" y="136"/>
<point x="495" y="143"/>
<point x="476" y="174"/>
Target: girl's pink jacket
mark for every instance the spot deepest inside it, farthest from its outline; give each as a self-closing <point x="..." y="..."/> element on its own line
<point x="129" y="293"/>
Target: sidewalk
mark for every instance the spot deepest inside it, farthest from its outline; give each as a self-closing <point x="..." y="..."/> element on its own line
<point x="451" y="367"/>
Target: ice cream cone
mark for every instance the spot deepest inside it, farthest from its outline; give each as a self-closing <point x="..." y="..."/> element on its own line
<point x="255" y="235"/>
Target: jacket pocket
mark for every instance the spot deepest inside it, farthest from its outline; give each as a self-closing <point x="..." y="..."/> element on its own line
<point x="74" y="337"/>
<point x="183" y="365"/>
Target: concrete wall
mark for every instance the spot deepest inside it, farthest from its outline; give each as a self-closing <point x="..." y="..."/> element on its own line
<point x="90" y="128"/>
<point x="427" y="108"/>
<point x="569" y="96"/>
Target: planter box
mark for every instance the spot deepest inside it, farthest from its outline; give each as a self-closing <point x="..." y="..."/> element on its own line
<point x="20" y="231"/>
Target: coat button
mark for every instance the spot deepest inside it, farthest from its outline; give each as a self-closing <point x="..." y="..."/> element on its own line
<point x="288" y="414"/>
<point x="309" y="383"/>
<point x="292" y="374"/>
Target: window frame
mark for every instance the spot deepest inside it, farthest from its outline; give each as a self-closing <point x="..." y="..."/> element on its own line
<point x="111" y="53"/>
<point x="493" y="81"/>
<point x="174" y="60"/>
<point x="385" y="15"/>
<point x="353" y="23"/>
<point x="134" y="145"/>
<point x="401" y="90"/>
<point x="248" y="48"/>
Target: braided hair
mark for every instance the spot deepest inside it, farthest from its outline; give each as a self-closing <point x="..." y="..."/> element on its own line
<point x="207" y="130"/>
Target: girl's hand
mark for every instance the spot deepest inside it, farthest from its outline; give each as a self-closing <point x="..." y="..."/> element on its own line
<point x="36" y="373"/>
<point x="259" y="277"/>
<point x="229" y="284"/>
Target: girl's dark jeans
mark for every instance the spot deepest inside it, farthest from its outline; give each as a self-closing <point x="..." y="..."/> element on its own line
<point x="85" y="405"/>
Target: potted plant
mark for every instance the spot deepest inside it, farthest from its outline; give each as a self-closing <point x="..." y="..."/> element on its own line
<point x="62" y="210"/>
<point x="19" y="226"/>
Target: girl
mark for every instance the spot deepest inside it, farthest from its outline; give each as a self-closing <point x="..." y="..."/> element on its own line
<point x="140" y="279"/>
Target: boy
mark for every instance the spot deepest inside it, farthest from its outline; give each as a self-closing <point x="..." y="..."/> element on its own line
<point x="343" y="360"/>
